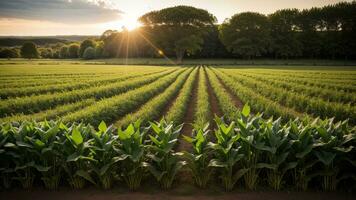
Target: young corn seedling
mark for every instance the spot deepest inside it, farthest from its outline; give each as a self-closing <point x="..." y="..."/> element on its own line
<point x="77" y="149"/>
<point x="164" y="162"/>
<point x="130" y="150"/>
<point x="105" y="154"/>
<point x="277" y="148"/>
<point x="198" y="160"/>
<point x="227" y="153"/>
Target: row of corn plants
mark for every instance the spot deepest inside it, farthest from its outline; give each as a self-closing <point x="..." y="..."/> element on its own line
<point x="324" y="93"/>
<point x="331" y="84"/>
<point x="112" y="109"/>
<point x="154" y="107"/>
<point x="259" y="102"/>
<point x="300" y="102"/>
<point x="246" y="151"/>
<point x="50" y="153"/>
<point x="202" y="113"/>
<point x="178" y="109"/>
<point x="37" y="103"/>
<point x="50" y="113"/>
<point x="19" y="91"/>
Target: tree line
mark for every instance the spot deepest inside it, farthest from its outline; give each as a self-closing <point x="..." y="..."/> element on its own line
<point x="183" y="31"/>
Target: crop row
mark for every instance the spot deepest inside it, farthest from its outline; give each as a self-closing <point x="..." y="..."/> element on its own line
<point x="111" y="109"/>
<point x="202" y="110"/>
<point x="153" y="108"/>
<point x="302" y="103"/>
<point x="247" y="151"/>
<point x="313" y="91"/>
<point x="25" y="91"/>
<point x="321" y="82"/>
<point x="179" y="108"/>
<point x="258" y="102"/>
<point x="37" y="103"/>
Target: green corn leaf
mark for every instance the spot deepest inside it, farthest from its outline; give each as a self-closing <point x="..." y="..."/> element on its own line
<point x="102" y="126"/>
<point x="246" y="110"/>
<point x="85" y="175"/>
<point x="77" y="137"/>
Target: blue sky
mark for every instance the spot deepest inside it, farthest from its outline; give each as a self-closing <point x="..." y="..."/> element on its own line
<point x="61" y="17"/>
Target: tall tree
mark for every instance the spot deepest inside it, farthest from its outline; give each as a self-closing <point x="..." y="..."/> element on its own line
<point x="29" y="50"/>
<point x="246" y="34"/>
<point x="284" y="28"/>
<point x="177" y="29"/>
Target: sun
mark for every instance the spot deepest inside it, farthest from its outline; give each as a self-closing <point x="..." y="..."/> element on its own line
<point x="129" y="22"/>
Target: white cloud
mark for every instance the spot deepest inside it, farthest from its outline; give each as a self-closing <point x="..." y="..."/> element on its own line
<point x="63" y="11"/>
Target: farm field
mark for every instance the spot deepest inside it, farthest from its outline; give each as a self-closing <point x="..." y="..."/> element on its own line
<point x="120" y="94"/>
<point x="55" y="130"/>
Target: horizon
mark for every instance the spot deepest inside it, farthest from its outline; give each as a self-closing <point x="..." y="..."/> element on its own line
<point x="40" y="18"/>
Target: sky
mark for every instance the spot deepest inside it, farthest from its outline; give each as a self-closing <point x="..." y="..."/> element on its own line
<point x="93" y="17"/>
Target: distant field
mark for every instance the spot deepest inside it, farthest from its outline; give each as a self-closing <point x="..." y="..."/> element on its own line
<point x="120" y="94"/>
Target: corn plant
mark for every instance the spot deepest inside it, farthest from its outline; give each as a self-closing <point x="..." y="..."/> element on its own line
<point x="48" y="153"/>
<point x="277" y="147"/>
<point x="333" y="143"/>
<point x="130" y="150"/>
<point x="198" y="160"/>
<point x="77" y="149"/>
<point x="249" y="128"/>
<point x="164" y="162"/>
<point x="105" y="155"/>
<point x="25" y="154"/>
<point x="227" y="154"/>
<point x="303" y="152"/>
<point x="7" y="144"/>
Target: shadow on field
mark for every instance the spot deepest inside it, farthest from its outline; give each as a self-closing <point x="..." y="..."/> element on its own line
<point x="149" y="192"/>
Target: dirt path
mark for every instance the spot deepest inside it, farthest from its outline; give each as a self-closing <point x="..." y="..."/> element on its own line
<point x="185" y="192"/>
<point x="236" y="100"/>
<point x="189" y="115"/>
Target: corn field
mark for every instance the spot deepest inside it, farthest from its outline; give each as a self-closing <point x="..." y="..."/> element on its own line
<point x="235" y="127"/>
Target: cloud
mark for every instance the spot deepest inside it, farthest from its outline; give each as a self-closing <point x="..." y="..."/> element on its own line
<point x="62" y="11"/>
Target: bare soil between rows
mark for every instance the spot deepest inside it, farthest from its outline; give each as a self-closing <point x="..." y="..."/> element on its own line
<point x="184" y="192"/>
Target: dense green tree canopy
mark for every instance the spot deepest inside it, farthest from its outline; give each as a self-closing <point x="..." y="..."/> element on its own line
<point x="89" y="53"/>
<point x="84" y="45"/>
<point x="29" y="50"/>
<point x="63" y="53"/>
<point x="246" y="34"/>
<point x="73" y="51"/>
<point x="171" y="28"/>
<point x="9" y="53"/>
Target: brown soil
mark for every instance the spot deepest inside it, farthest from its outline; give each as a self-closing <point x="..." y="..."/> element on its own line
<point x="189" y="116"/>
<point x="185" y="192"/>
<point x="237" y="101"/>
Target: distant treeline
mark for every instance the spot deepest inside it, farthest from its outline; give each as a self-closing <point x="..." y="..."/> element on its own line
<point x="318" y="33"/>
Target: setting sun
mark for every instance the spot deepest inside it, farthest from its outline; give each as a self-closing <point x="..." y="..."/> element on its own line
<point x="129" y="22"/>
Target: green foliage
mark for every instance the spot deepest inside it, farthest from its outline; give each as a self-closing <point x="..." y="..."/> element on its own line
<point x="84" y="45"/>
<point x="89" y="53"/>
<point x="73" y="51"/>
<point x="29" y="50"/>
<point x="246" y="34"/>
<point x="163" y="162"/>
<point x="198" y="160"/>
<point x="177" y="29"/>
<point x="9" y="53"/>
